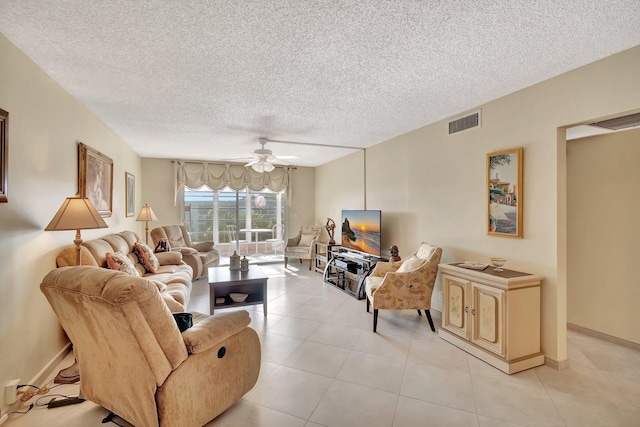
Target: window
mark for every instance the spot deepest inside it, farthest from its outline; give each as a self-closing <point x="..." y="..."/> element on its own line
<point x="208" y="214"/>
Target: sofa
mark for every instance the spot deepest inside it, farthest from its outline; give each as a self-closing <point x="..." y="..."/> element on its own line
<point x="132" y="357"/>
<point x="199" y="255"/>
<point x="172" y="276"/>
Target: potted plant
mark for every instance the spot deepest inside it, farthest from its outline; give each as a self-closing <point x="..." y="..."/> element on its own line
<point x="493" y="222"/>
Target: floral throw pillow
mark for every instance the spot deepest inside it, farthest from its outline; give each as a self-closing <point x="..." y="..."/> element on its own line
<point x="119" y="261"/>
<point x="146" y="257"/>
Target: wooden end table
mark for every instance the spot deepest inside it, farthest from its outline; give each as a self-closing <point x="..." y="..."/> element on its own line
<point x="223" y="282"/>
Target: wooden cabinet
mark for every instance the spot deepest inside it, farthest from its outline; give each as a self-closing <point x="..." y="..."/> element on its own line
<point x="495" y="316"/>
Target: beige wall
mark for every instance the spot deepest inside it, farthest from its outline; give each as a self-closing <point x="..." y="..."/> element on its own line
<point x="45" y="125"/>
<point x="603" y="207"/>
<point x="303" y="201"/>
<point x="431" y="186"/>
<point x="158" y="183"/>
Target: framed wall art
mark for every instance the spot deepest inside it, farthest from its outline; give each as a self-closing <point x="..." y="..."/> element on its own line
<point x="504" y="193"/>
<point x="4" y="160"/>
<point x="95" y="178"/>
<point x="130" y="193"/>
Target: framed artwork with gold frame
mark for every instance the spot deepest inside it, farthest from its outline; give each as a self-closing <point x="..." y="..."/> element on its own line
<point x="504" y="193"/>
<point x="95" y="178"/>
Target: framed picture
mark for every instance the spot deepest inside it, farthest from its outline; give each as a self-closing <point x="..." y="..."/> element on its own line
<point x="4" y="160"/>
<point x="95" y="178"/>
<point x="504" y="193"/>
<point x="130" y="194"/>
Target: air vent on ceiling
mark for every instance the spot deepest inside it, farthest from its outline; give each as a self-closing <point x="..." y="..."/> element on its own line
<point x="464" y="123"/>
<point x="630" y="121"/>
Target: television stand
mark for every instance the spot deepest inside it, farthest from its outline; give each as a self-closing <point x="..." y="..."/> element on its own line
<point x="347" y="270"/>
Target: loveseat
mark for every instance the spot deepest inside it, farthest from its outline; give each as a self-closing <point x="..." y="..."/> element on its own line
<point x="199" y="255"/>
<point x="172" y="276"/>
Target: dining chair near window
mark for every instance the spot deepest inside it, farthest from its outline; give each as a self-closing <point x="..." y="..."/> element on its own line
<point x="234" y="242"/>
<point x="277" y="239"/>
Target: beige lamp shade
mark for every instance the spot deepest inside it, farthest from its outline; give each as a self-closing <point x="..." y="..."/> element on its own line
<point x="76" y="213"/>
<point x="146" y="215"/>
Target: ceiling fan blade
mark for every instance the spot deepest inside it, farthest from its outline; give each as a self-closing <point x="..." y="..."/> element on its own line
<point x="288" y="157"/>
<point x="253" y="162"/>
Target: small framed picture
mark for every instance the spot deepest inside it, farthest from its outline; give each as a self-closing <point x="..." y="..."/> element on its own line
<point x="504" y="193"/>
<point x="130" y="194"/>
<point x="95" y="178"/>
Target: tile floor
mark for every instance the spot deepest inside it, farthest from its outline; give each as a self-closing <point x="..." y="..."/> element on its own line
<point x="322" y="366"/>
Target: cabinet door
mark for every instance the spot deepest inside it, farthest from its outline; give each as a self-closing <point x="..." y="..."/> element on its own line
<point x="455" y="293"/>
<point x="488" y="318"/>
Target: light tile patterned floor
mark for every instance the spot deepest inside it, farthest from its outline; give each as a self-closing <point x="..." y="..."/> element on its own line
<point x="322" y="366"/>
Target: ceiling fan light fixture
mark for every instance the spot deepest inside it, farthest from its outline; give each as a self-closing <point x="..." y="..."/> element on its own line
<point x="262" y="167"/>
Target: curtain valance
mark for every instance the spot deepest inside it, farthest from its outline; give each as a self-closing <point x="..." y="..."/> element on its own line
<point x="217" y="176"/>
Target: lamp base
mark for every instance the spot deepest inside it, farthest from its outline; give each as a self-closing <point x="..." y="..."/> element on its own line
<point x="68" y="375"/>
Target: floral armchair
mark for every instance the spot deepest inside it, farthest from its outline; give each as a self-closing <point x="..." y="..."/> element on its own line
<point x="405" y="284"/>
<point x="301" y="246"/>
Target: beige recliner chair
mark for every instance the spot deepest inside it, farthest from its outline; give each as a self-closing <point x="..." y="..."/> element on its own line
<point x="404" y="284"/>
<point x="301" y="246"/>
<point x="199" y="255"/>
<point x="134" y="361"/>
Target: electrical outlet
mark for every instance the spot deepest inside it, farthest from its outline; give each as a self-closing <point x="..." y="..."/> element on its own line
<point x="440" y="296"/>
<point x="10" y="391"/>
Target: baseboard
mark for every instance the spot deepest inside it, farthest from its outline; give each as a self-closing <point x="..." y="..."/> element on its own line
<point x="40" y="379"/>
<point x="605" y="337"/>
<point x="558" y="365"/>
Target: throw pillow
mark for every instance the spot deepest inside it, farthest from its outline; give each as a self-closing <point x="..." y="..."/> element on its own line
<point x="306" y="239"/>
<point x="121" y="262"/>
<point x="409" y="264"/>
<point x="146" y="257"/>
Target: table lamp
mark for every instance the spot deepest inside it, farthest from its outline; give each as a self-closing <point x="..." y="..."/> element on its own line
<point x="146" y="215"/>
<point x="76" y="213"/>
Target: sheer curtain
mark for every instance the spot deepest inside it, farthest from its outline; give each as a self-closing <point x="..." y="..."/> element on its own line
<point x="217" y="176"/>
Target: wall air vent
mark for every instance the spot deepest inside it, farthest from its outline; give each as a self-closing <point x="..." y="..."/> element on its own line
<point x="630" y="121"/>
<point x="464" y="123"/>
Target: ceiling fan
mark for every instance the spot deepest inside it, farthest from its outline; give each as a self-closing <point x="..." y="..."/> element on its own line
<point x="264" y="159"/>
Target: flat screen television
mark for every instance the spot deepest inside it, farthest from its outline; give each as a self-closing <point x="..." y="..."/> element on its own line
<point x="361" y="231"/>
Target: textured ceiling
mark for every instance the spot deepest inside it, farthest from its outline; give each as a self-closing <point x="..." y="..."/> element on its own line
<point x="202" y="80"/>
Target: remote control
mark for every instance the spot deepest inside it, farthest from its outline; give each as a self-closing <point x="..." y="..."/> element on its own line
<point x="53" y="403"/>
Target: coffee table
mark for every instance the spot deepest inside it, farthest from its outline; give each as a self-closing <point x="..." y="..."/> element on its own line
<point x="223" y="282"/>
